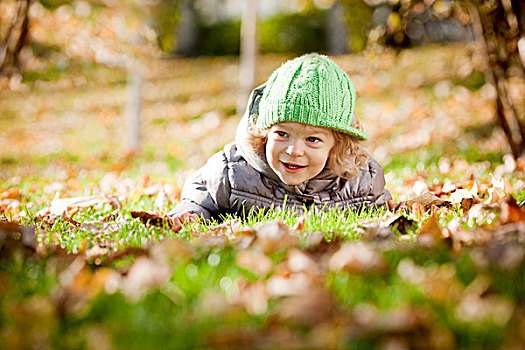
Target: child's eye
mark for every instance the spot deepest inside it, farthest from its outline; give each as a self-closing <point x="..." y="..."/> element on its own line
<point x="313" y="139"/>
<point x="281" y="133"/>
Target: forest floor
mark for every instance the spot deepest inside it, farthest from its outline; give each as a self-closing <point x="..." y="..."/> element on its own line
<point x="89" y="261"/>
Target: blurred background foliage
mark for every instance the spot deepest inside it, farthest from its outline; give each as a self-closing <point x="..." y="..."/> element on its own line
<point x="211" y="27"/>
<point x="88" y="50"/>
<point x="303" y="25"/>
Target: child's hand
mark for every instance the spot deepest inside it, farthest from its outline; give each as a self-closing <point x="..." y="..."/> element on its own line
<point x="180" y="219"/>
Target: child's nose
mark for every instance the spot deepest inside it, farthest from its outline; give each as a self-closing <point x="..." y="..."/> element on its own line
<point x="295" y="149"/>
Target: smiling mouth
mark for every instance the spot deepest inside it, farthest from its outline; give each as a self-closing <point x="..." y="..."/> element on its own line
<point x="290" y="166"/>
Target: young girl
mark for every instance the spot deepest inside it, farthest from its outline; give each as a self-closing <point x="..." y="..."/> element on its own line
<point x="297" y="145"/>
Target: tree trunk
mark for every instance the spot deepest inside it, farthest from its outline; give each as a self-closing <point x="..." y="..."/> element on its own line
<point x="500" y="28"/>
<point x="337" y="29"/>
<point x="15" y="39"/>
<point x="248" y="53"/>
<point x="187" y="31"/>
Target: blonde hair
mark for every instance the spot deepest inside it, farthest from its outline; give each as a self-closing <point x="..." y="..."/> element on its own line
<point x="345" y="158"/>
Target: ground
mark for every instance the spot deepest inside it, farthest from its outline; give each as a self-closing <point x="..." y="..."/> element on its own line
<point x="89" y="261"/>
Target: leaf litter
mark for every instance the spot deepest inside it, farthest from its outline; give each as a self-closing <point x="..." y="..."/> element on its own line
<point x="448" y="247"/>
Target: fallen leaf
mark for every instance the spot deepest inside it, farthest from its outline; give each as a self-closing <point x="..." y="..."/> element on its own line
<point x="144" y="274"/>
<point x="293" y="284"/>
<point x="458" y="195"/>
<point x="431" y="227"/>
<point x="254" y="297"/>
<point x="428" y="199"/>
<point x="62" y="206"/>
<point x="12" y="193"/>
<point x="495" y="308"/>
<point x="229" y="228"/>
<point x="403" y="319"/>
<point x="511" y="211"/>
<point x="300" y="223"/>
<point x="80" y="283"/>
<point x="15" y="239"/>
<point x="357" y="258"/>
<point x="156" y="219"/>
<point x="170" y="250"/>
<point x="308" y="309"/>
<point x="299" y="261"/>
<point x="496" y="191"/>
<point x="467" y="203"/>
<point x="255" y="261"/>
<point x="274" y="236"/>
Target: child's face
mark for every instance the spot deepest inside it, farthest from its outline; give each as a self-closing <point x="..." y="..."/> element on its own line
<point x="297" y="152"/>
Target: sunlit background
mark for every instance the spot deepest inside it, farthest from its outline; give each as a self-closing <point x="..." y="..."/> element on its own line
<point x="87" y="68"/>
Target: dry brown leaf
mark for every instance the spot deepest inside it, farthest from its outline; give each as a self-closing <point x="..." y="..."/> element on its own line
<point x="255" y="261"/>
<point x="496" y="191"/>
<point x="467" y="203"/>
<point x="286" y="285"/>
<point x="299" y="261"/>
<point x="300" y="223"/>
<point x="79" y="284"/>
<point x="403" y="319"/>
<point x="511" y="212"/>
<point x="144" y="274"/>
<point x="15" y="239"/>
<point x="229" y="228"/>
<point x="431" y="227"/>
<point x="357" y="258"/>
<point x="254" y="297"/>
<point x="441" y="284"/>
<point x="274" y="236"/>
<point x="156" y="219"/>
<point x="67" y="206"/>
<point x="209" y="239"/>
<point x="418" y="208"/>
<point x="150" y="217"/>
<point x="308" y="309"/>
<point x="170" y="250"/>
<point x="12" y="193"/>
<point x="428" y="199"/>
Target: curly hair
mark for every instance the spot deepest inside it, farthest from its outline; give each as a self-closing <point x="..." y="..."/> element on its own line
<point x="344" y="159"/>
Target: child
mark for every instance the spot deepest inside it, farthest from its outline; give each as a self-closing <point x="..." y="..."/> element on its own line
<point x="297" y="145"/>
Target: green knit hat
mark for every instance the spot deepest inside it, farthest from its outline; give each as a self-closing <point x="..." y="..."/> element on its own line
<point x="310" y="89"/>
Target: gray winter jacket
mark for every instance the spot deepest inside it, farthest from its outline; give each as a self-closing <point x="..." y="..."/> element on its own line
<point x="236" y="180"/>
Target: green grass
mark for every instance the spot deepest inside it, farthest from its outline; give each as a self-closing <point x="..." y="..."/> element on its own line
<point x="175" y="315"/>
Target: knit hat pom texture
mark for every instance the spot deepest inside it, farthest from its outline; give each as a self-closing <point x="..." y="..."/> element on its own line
<point x="310" y="89"/>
